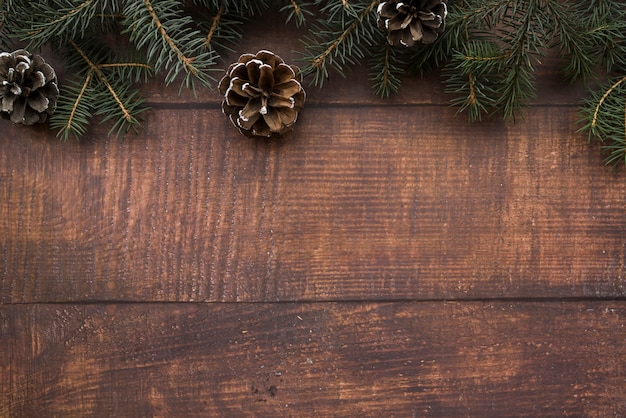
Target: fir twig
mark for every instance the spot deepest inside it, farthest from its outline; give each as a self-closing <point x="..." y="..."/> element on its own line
<point x="164" y="32"/>
<point x="61" y="19"/>
<point x="385" y="69"/>
<point x="524" y="33"/>
<point x="567" y="22"/>
<point x="340" y="38"/>
<point x="215" y="22"/>
<point x="110" y="97"/>
<point x="75" y="120"/>
<point x="604" y="118"/>
<point x="222" y="29"/>
<point x="472" y="76"/>
<point x="296" y="11"/>
<point x="603" y="113"/>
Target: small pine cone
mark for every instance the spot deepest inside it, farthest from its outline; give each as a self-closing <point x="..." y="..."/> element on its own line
<point x="408" y="22"/>
<point x="262" y="94"/>
<point x="28" y="87"/>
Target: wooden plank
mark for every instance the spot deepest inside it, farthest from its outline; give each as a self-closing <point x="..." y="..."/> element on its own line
<point x="359" y="203"/>
<point x="322" y="359"/>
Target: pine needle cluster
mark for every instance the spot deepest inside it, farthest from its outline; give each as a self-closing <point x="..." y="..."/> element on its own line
<point x="487" y="55"/>
<point x="108" y="46"/>
<point x="603" y="113"/>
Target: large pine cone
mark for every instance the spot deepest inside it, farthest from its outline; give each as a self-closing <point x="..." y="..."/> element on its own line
<point x="408" y="22"/>
<point x="262" y="94"/>
<point x="28" y="87"/>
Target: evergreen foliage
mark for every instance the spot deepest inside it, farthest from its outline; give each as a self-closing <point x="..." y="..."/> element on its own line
<point x="603" y="114"/>
<point x="5" y="23"/>
<point x="341" y="36"/>
<point x="487" y="54"/>
<point x="109" y="46"/>
<point x="604" y="117"/>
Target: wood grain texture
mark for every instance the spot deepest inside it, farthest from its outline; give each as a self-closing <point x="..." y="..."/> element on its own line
<point x="321" y="359"/>
<point x="360" y="203"/>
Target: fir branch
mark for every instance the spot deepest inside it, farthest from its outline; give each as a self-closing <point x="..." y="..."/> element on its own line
<point x="603" y="114"/>
<point x="43" y="21"/>
<point x="567" y="23"/>
<point x="492" y="66"/>
<point x="126" y="115"/>
<point x="186" y="61"/>
<point x="125" y="97"/>
<point x="385" y="69"/>
<point x="100" y="89"/>
<point x="606" y="32"/>
<point x="472" y="76"/>
<point x="296" y="11"/>
<point x="73" y="110"/>
<point x="164" y="32"/>
<point x="215" y="22"/>
<point x="126" y="65"/>
<point x="607" y="93"/>
<point x="523" y="27"/>
<point x="79" y="98"/>
<point x="341" y="38"/>
<point x="222" y="29"/>
<point x="477" y="13"/>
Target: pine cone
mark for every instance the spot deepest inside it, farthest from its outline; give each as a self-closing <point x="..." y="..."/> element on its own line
<point x="262" y="94"/>
<point x="408" y="22"/>
<point x="28" y="87"/>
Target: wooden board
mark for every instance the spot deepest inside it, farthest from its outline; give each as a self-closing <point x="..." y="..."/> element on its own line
<point x="397" y="202"/>
<point x="320" y="359"/>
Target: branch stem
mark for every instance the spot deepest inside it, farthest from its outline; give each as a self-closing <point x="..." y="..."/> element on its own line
<point x="606" y="94"/>
<point x="214" y="25"/>
<point x="157" y="22"/>
<point x="104" y="81"/>
<point x="68" y="125"/>
<point x="296" y="8"/>
<point x="319" y="61"/>
<point x="66" y="16"/>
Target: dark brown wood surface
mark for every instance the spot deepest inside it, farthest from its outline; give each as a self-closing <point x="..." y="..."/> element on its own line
<point x="448" y="359"/>
<point x="190" y="271"/>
